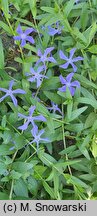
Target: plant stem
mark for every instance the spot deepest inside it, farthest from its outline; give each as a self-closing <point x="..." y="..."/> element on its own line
<point x="64" y="140"/>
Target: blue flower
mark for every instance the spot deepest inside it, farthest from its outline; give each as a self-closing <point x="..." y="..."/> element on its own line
<point x="36" y="75"/>
<point x="30" y="119"/>
<point x="37" y="137"/>
<point x="44" y="58"/>
<point x="23" y="36"/>
<point x="68" y="84"/>
<point x="9" y="92"/>
<point x="70" y="60"/>
<point x="53" y="29"/>
<point x="54" y="108"/>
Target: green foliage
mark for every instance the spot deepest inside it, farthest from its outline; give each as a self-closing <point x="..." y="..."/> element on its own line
<point x="65" y="167"/>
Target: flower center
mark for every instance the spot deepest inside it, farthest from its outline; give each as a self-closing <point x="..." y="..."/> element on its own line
<point x="43" y="58"/>
<point x="68" y="84"/>
<point x="9" y="92"/>
<point x="30" y="118"/>
<point x="23" y="36"/>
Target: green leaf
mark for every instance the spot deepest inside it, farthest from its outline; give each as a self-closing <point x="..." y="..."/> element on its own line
<point x="15" y="175"/>
<point x="79" y="36"/>
<point x="20" y="188"/>
<point x="92" y="32"/>
<point x="5" y="27"/>
<point x="93" y="49"/>
<point x="94" y="148"/>
<point x="4" y="196"/>
<point x="47" y="159"/>
<point x="50" y="124"/>
<point x="84" y="100"/>
<point x="5" y="150"/>
<point x="22" y="167"/>
<point x="85" y="81"/>
<point x="49" y="190"/>
<point x="84" y="16"/>
<point x="53" y="97"/>
<point x="68" y="8"/>
<point x="68" y="150"/>
<point x="5" y="7"/>
<point x="48" y="9"/>
<point x="1" y="55"/>
<point x="90" y="120"/>
<point x="94" y="127"/>
<point x="33" y="7"/>
<point x="75" y="181"/>
<point x="76" y="113"/>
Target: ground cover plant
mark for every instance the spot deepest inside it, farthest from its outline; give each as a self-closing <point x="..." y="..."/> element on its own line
<point x="48" y="99"/>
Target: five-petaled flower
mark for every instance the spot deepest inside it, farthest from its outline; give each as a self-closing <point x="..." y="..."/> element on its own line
<point x="67" y="83"/>
<point x="10" y="92"/>
<point x="70" y="60"/>
<point x="37" y="137"/>
<point x="54" y="108"/>
<point x="30" y="119"/>
<point x="23" y="36"/>
<point x="53" y="29"/>
<point x="44" y="58"/>
<point x="36" y="75"/>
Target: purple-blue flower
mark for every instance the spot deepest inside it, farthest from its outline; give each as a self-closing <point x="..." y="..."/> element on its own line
<point x="10" y="92"/>
<point x="44" y="58"/>
<point x="54" y="108"/>
<point x="70" y="60"/>
<point x="37" y="137"/>
<point x="30" y="119"/>
<point x="36" y="75"/>
<point x="76" y="1"/>
<point x="57" y="30"/>
<point x="53" y="29"/>
<point x="67" y="83"/>
<point x="24" y="36"/>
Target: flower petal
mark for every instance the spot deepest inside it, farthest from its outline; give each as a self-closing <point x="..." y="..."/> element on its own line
<point x="51" y="59"/>
<point x="74" y="66"/>
<point x="17" y="38"/>
<point x="19" y="91"/>
<point x="69" y="77"/>
<point x="2" y="98"/>
<point x="30" y="39"/>
<point x="23" y="43"/>
<point x="75" y="83"/>
<point x="39" y="53"/>
<point x="14" y="100"/>
<point x="41" y="132"/>
<point x="40" y="69"/>
<point x="40" y="118"/>
<point x="34" y="130"/>
<point x="48" y="50"/>
<point x="28" y="31"/>
<point x="3" y="89"/>
<point x="62" y="89"/>
<point x="22" y="116"/>
<point x="52" y="31"/>
<point x="65" y="66"/>
<point x="31" y="110"/>
<point x="62" y="56"/>
<point x="24" y="126"/>
<point x="32" y="79"/>
<point x="19" y="30"/>
<point x="11" y="84"/>
<point x="79" y="58"/>
<point x="72" y="51"/>
<point x="72" y="90"/>
<point x="63" y="81"/>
